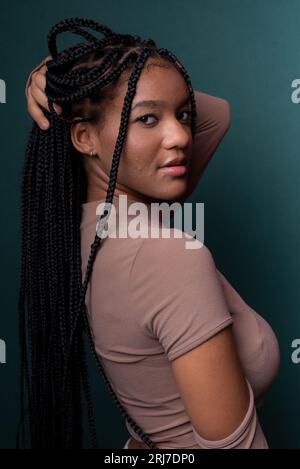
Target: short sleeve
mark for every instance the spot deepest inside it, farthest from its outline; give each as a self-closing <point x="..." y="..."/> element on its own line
<point x="176" y="294"/>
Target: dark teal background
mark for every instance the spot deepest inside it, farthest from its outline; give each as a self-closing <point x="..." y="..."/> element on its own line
<point x="246" y="51"/>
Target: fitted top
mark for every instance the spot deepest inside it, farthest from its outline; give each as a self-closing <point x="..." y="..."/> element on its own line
<point x="150" y="300"/>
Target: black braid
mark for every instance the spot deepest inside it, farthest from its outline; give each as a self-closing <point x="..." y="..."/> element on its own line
<point x="52" y="310"/>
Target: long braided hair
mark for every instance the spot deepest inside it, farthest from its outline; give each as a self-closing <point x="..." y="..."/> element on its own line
<point x="53" y="322"/>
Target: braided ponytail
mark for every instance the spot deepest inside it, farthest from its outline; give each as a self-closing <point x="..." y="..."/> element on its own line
<point x="52" y="313"/>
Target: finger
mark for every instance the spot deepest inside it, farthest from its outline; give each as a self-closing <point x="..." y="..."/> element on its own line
<point x="39" y="79"/>
<point x="35" y="112"/>
<point x="39" y="96"/>
<point x="38" y="91"/>
<point x="48" y="58"/>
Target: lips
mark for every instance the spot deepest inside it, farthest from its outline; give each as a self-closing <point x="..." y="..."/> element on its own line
<point x="176" y="170"/>
<point x="176" y="162"/>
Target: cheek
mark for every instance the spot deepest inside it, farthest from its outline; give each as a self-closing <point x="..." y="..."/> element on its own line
<point x="140" y="154"/>
<point x="138" y="165"/>
<point x="138" y="159"/>
<point x="132" y="165"/>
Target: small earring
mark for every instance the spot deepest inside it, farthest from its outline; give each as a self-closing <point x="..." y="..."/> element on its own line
<point x="92" y="153"/>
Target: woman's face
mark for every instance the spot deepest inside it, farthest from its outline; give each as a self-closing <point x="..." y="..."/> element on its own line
<point x="156" y="133"/>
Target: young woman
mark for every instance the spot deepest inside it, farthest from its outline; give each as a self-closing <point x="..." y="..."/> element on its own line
<point x="185" y="358"/>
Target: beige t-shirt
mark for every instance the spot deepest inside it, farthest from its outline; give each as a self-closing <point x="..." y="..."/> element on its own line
<point x="151" y="300"/>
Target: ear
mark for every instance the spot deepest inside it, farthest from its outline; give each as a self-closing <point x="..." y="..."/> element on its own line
<point x="83" y="137"/>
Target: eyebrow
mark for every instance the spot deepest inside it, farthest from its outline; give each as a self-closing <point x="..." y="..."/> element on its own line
<point x="157" y="104"/>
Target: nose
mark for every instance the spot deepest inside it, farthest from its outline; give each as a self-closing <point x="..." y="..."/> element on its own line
<point x="177" y="135"/>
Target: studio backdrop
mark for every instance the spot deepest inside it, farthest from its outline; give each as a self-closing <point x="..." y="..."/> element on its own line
<point x="245" y="51"/>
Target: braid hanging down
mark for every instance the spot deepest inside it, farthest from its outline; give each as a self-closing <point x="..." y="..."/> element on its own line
<point x="52" y="316"/>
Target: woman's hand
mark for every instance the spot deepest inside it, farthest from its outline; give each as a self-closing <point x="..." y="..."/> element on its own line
<point x="36" y="97"/>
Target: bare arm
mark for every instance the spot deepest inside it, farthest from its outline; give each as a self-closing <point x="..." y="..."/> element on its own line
<point x="216" y="396"/>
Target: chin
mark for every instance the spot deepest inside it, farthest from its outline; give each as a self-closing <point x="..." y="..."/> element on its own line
<point x="175" y="193"/>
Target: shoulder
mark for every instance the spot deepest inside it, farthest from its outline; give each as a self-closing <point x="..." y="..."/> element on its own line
<point x="177" y="250"/>
<point x="178" y="267"/>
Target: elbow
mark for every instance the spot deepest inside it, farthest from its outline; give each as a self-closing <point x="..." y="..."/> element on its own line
<point x="225" y="115"/>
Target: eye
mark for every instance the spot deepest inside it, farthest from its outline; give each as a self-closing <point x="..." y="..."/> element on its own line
<point x="146" y="116"/>
<point x="188" y="112"/>
<point x="141" y="119"/>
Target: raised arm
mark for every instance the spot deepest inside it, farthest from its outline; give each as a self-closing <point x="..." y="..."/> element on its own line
<point x="213" y="121"/>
